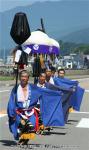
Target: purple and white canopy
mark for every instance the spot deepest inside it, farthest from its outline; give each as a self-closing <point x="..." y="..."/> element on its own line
<point x="41" y="43"/>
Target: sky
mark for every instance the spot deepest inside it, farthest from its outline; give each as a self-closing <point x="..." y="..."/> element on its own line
<point x="9" y="4"/>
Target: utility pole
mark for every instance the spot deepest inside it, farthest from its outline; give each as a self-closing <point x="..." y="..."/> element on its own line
<point x="4" y="54"/>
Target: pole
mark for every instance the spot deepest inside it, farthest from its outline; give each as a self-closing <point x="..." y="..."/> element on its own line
<point x="42" y="25"/>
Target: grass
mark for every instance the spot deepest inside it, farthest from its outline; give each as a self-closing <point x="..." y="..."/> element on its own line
<point x="6" y="78"/>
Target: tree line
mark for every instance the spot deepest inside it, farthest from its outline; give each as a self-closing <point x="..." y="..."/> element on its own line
<point x="68" y="47"/>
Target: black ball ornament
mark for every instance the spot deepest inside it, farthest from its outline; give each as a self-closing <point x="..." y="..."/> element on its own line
<point x="20" y="30"/>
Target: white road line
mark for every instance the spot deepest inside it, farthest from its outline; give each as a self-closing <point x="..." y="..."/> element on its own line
<point x="80" y="112"/>
<point x="3" y="115"/>
<point x="4" y="91"/>
<point x="83" y="79"/>
<point x="87" y="91"/>
<point x="84" y="123"/>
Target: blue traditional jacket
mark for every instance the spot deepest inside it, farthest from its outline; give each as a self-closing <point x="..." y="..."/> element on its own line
<point x="50" y="106"/>
<point x="77" y="95"/>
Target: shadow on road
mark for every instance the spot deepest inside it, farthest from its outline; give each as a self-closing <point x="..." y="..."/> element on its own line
<point x="56" y="133"/>
<point x="8" y="142"/>
<point x="71" y="122"/>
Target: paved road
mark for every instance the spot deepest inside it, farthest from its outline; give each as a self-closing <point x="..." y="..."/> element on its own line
<point x="73" y="136"/>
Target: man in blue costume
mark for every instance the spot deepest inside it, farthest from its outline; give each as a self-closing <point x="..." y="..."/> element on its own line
<point x="72" y="92"/>
<point x="22" y="101"/>
<point x="77" y="96"/>
<point x="66" y="93"/>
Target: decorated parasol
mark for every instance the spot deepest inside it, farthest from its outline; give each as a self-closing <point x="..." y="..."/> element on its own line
<point x="40" y="43"/>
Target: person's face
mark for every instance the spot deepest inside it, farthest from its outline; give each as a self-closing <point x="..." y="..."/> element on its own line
<point x="24" y="79"/>
<point x="42" y="79"/>
<point x="61" y="74"/>
<point x="48" y="73"/>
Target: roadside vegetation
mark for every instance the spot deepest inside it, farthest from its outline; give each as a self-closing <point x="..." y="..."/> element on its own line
<point x="6" y="78"/>
<point x="69" y="47"/>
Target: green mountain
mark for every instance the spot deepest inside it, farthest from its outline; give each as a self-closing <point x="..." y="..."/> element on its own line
<point x="81" y="36"/>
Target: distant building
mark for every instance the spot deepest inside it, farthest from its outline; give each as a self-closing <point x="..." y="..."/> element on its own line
<point x="72" y="61"/>
<point x="9" y="60"/>
<point x="68" y="63"/>
<point x="1" y="62"/>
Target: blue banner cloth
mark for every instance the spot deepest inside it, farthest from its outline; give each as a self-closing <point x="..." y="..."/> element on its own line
<point x="78" y="92"/>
